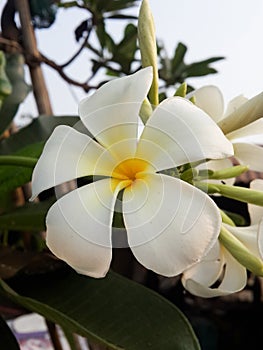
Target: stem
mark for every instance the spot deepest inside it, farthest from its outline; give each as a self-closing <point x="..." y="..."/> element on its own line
<point x="27" y="162"/>
<point x="240" y="252"/>
<point x="238" y="193"/>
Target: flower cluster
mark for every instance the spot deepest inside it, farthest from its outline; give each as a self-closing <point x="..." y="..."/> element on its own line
<point x="172" y="226"/>
<point x="158" y="177"/>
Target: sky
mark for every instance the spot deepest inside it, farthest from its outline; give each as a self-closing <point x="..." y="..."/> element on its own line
<point x="232" y="29"/>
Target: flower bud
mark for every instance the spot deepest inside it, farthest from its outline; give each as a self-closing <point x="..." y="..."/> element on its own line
<point x="148" y="47"/>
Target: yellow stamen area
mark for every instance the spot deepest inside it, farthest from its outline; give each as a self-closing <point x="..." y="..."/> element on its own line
<point x="130" y="169"/>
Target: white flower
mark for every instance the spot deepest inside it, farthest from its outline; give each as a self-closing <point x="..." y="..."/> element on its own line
<point x="170" y="224"/>
<point x="242" y="124"/>
<point x="219" y="266"/>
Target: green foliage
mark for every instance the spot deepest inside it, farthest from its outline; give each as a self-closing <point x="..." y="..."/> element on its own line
<point x="28" y="142"/>
<point x="5" y="85"/>
<point x="123" y="53"/>
<point x="30" y="217"/>
<point x="37" y="131"/>
<point x="174" y="70"/>
<point x="113" y="311"/>
<point x="99" y="6"/>
<point x="117" y="59"/>
<point x="15" y="176"/>
<point x="15" y="73"/>
<point x="43" y="13"/>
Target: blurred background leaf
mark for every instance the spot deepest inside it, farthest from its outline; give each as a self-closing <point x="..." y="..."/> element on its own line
<point x="15" y="73"/>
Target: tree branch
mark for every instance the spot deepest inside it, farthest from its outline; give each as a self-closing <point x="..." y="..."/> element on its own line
<point x="30" y="48"/>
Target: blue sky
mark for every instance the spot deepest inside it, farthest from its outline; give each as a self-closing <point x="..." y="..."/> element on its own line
<point x="232" y="29"/>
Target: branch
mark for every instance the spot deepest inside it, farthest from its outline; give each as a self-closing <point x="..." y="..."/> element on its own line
<point x="30" y="48"/>
<point x="89" y="28"/>
<point x="61" y="72"/>
<point x="12" y="44"/>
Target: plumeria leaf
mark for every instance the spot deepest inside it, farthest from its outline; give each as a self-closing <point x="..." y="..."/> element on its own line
<point x="43" y="13"/>
<point x="112" y="5"/>
<point x="30" y="217"/>
<point x="201" y="68"/>
<point x="124" y="52"/>
<point x="39" y="130"/>
<point x="7" y="338"/>
<point x="15" y="176"/>
<point x="121" y="16"/>
<point x="132" y="318"/>
<point x="5" y="86"/>
<point x="179" y="55"/>
<point x="176" y="70"/>
<point x="20" y="89"/>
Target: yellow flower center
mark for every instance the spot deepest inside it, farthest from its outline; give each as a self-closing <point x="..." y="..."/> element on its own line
<point x="130" y="169"/>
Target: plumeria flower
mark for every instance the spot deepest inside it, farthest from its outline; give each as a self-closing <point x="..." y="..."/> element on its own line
<point x="170" y="224"/>
<point x="219" y="266"/>
<point x="242" y="124"/>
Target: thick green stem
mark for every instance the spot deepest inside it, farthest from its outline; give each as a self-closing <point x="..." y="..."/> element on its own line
<point x="240" y="252"/>
<point x="241" y="194"/>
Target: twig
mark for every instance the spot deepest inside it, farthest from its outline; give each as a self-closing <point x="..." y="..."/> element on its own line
<point x="61" y="72"/>
<point x="81" y="47"/>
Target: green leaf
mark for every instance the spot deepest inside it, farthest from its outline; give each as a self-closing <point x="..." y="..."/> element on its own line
<point x="5" y="86"/>
<point x="25" y="143"/>
<point x="15" y="73"/>
<point x="198" y="71"/>
<point x="120" y="16"/>
<point x="68" y="4"/>
<point x="113" y="5"/>
<point x="101" y="32"/>
<point x="124" y="52"/>
<point x="11" y="176"/>
<point x="179" y="55"/>
<point x="7" y="339"/>
<point x="30" y="217"/>
<point x="113" y="311"/>
<point x="43" y="13"/>
<point x="201" y="68"/>
<point x="38" y="131"/>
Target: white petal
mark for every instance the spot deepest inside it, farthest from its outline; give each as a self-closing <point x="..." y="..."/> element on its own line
<point x="234" y="280"/>
<point x="170" y="224"/>
<point x="248" y="235"/>
<point x="256" y="211"/>
<point x="260" y="238"/>
<point x="111" y="113"/>
<point x="250" y="155"/>
<point x="209" y="269"/>
<point x="235" y="103"/>
<point x="69" y="154"/>
<point x="210" y="99"/>
<point x="252" y="132"/>
<point x="178" y="132"/>
<point x="79" y="228"/>
<point x="244" y="115"/>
